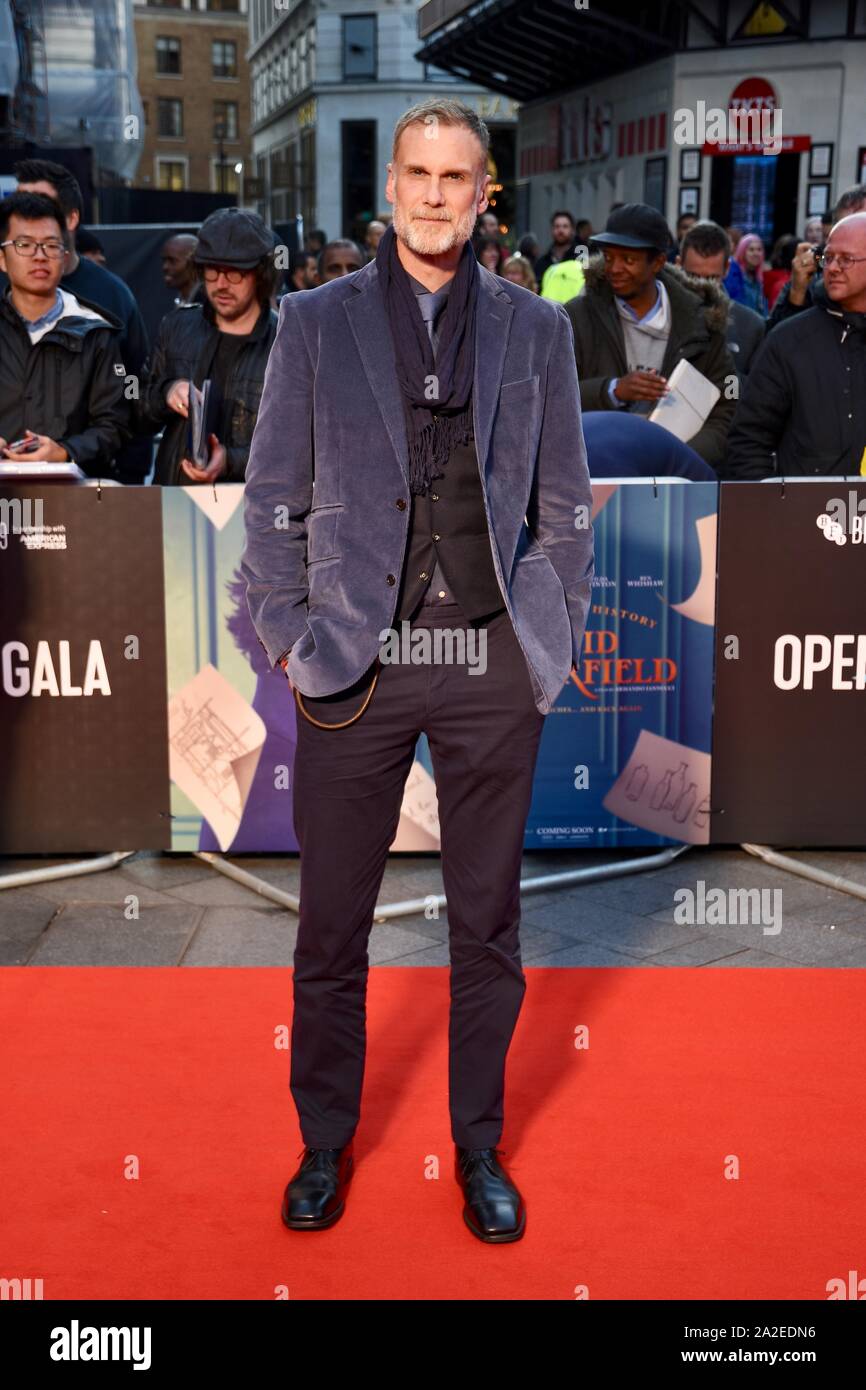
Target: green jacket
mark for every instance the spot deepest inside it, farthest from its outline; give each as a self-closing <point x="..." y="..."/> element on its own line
<point x="562" y="281"/>
<point x="699" y="315"/>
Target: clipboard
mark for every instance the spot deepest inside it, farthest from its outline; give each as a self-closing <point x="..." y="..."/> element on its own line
<point x="200" y="422"/>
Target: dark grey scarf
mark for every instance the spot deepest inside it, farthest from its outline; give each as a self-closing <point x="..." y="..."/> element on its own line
<point x="437" y="395"/>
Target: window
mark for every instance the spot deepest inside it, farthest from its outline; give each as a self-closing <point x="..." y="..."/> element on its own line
<point x="168" y="55"/>
<point x="232" y="6"/>
<point x="302" y="60"/>
<point x="293" y="67"/>
<point x="307" y="178"/>
<point x="225" y="117"/>
<point x="359" y="171"/>
<point x="171" y="174"/>
<point x="224" y="58"/>
<point x="169" y="117"/>
<point x="359" y="46"/>
<point x="225" y="177"/>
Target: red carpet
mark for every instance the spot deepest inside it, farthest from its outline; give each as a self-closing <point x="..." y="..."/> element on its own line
<point x="620" y="1150"/>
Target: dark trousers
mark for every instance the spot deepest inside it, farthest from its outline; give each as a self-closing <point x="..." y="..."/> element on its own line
<point x="483" y="732"/>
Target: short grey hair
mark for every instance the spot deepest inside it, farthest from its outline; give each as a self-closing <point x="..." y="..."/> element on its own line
<point x="447" y="112"/>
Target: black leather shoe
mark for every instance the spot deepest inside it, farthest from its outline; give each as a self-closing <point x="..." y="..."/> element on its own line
<point x="494" y="1209"/>
<point x="316" y="1196"/>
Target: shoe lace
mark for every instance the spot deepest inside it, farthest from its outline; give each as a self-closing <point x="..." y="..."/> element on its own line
<point x="479" y="1155"/>
<point x="332" y="1154"/>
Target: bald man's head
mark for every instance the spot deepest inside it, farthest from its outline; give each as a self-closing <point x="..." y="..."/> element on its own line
<point x="178" y="270"/>
<point x="845" y="263"/>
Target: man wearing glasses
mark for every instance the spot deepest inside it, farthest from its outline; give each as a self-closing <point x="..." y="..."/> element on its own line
<point x="803" y="410"/>
<point x="226" y="340"/>
<point x="61" y="376"/>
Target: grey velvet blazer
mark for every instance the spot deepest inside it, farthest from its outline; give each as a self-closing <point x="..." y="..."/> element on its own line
<point x="326" y="503"/>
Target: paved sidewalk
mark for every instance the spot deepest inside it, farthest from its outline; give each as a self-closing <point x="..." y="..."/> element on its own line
<point x="160" y="909"/>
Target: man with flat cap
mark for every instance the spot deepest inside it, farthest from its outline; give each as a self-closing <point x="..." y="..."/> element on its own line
<point x="226" y="339"/>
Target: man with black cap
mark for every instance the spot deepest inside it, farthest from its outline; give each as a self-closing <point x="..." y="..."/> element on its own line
<point x="417" y="479"/>
<point x="637" y="317"/>
<point x="226" y="339"/>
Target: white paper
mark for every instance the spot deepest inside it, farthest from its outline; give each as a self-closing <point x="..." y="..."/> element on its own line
<point x="665" y="788"/>
<point x="215" y="741"/>
<point x="689" y="401"/>
<point x="8" y="469"/>
<point x="419" y="813"/>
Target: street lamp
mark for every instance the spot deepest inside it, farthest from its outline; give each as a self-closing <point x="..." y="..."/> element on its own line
<point x="239" y="170"/>
<point x="220" y="134"/>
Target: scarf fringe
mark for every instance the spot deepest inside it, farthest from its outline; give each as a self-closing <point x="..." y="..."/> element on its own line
<point x="429" y="450"/>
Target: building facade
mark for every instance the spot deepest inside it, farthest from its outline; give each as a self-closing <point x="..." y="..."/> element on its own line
<point x="194" y="82"/>
<point x="330" y="79"/>
<point x="620" y="140"/>
<point x="637" y="124"/>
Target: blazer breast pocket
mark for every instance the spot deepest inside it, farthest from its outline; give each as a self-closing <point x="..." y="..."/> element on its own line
<point x="510" y="392"/>
<point x="516" y="421"/>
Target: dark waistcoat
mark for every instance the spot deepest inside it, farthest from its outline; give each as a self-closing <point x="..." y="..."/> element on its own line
<point x="449" y="523"/>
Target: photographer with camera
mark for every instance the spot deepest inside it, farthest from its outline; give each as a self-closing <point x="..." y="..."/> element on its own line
<point x="797" y="295"/>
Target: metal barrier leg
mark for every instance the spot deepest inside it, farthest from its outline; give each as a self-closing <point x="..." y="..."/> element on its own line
<point x="793" y="866"/>
<point x="76" y="870"/>
<point x="413" y="906"/>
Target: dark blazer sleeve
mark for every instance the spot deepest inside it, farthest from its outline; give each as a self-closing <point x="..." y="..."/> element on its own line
<point x="108" y="412"/>
<point x="151" y="411"/>
<point x="279" y="491"/>
<point x="594" y="394"/>
<point x="783" y="309"/>
<point x="134" y="338"/>
<point x="560" y="502"/>
<point x="764" y="409"/>
<point x="753" y="338"/>
<point x="711" y="440"/>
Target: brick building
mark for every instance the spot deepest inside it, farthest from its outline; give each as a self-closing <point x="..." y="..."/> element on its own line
<point x="194" y="82"/>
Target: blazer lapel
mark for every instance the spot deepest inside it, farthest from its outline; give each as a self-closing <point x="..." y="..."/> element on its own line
<point x="493" y="316"/>
<point x="372" y="333"/>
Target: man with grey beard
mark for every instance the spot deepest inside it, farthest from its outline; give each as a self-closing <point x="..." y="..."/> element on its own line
<point x="418" y="457"/>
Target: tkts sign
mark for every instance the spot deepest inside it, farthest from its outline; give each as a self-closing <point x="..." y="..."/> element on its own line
<point x="752" y="124"/>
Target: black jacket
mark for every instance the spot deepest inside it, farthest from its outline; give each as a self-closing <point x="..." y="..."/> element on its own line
<point x="784" y="310"/>
<point x="746" y="331"/>
<point x="185" y="346"/>
<point x="699" y="317"/>
<point x="805" y="398"/>
<point x="69" y="385"/>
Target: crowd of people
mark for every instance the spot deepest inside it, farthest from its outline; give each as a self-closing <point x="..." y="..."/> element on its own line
<point x="780" y="338"/>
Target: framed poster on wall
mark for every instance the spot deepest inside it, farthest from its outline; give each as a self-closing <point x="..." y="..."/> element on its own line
<point x="690" y="166"/>
<point x="821" y="162"/>
<point x="818" y="201"/>
<point x="690" y="201"/>
<point x="655" y="182"/>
